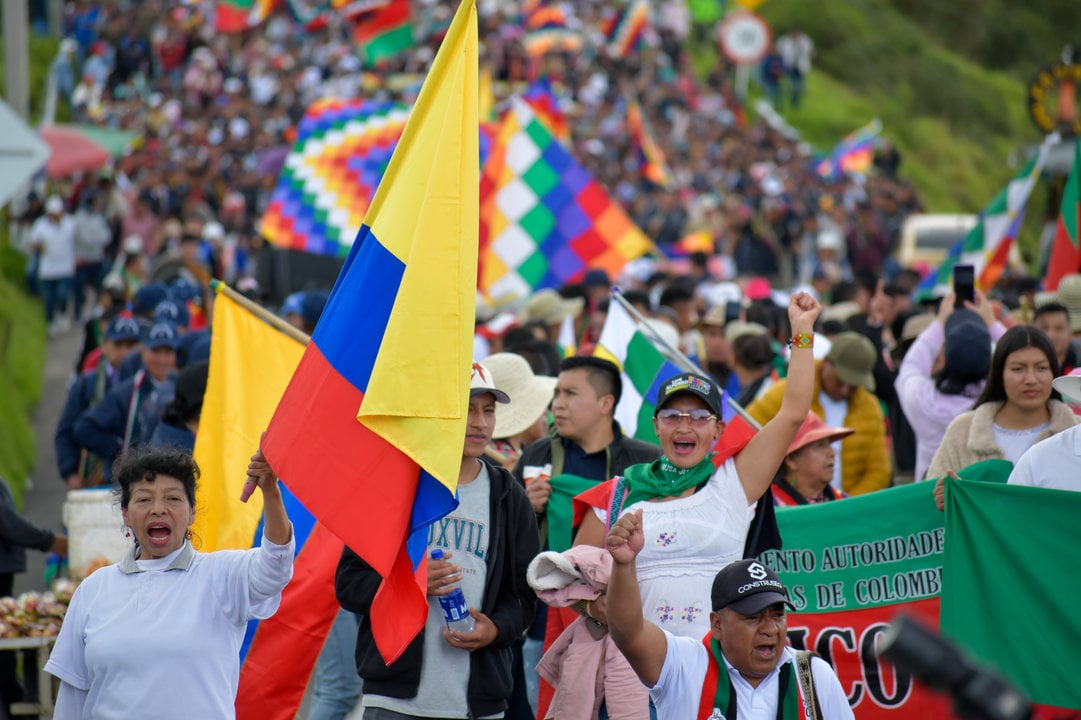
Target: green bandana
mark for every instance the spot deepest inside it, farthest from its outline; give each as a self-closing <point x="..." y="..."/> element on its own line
<point x="660" y="479"/>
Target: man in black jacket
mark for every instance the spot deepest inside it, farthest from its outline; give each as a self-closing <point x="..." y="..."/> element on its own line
<point x="488" y="542"/>
<point x="16" y="534"/>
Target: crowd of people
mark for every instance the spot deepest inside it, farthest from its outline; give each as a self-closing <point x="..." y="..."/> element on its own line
<point x="799" y="314"/>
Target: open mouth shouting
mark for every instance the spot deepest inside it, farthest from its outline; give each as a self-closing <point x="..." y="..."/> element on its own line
<point x="159" y="534"/>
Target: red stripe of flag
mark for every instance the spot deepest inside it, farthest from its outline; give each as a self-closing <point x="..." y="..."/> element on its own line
<point x="1066" y="248"/>
<point x="272" y="685"/>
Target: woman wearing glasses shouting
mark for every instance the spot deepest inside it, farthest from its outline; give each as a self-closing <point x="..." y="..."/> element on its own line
<point x="696" y="513"/>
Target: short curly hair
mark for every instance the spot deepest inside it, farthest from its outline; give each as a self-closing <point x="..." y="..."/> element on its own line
<point x="147" y="463"/>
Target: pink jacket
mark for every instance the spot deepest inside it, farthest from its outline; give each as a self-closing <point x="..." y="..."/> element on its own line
<point x="585" y="670"/>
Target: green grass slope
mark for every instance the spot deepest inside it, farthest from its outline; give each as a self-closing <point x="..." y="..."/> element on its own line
<point x="22" y="323"/>
<point x="947" y="80"/>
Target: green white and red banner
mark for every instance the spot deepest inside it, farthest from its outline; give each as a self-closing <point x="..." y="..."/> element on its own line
<point x="1006" y="595"/>
<point x="850" y="567"/>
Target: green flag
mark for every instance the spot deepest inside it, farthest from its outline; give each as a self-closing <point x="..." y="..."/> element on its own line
<point x="1010" y="584"/>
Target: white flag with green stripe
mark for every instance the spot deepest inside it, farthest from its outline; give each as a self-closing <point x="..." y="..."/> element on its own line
<point x="643" y="369"/>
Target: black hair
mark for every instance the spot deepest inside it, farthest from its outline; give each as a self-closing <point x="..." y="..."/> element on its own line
<point x="147" y="463"/>
<point x="1051" y="308"/>
<point x="753" y="352"/>
<point x="675" y="293"/>
<point x="542" y="356"/>
<point x="187" y="403"/>
<point x="638" y="299"/>
<point x="602" y="375"/>
<point x="765" y="313"/>
<point x="844" y="291"/>
<point x="1016" y="338"/>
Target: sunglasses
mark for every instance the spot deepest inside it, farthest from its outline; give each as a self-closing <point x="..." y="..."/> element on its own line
<point x="698" y="417"/>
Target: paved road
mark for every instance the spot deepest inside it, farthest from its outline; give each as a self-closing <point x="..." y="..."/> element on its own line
<point x="45" y="492"/>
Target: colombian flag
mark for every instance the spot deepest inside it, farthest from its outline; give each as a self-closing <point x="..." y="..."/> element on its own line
<point x="369" y="432"/>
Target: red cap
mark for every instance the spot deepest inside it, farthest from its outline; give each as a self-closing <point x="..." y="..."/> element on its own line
<point x="757" y="289"/>
<point x="813" y="430"/>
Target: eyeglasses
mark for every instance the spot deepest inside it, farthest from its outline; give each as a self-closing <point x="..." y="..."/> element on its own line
<point x="698" y="417"/>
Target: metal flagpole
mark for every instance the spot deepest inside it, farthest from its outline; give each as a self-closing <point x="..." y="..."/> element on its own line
<point x="675" y="354"/>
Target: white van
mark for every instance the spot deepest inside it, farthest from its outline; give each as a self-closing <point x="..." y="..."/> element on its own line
<point x="928" y="238"/>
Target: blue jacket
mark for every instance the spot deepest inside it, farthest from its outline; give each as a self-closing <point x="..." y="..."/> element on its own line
<point x="171" y="436"/>
<point x="87" y="390"/>
<point x="101" y="429"/>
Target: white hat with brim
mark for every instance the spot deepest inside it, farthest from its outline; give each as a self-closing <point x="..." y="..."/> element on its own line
<point x="1069" y="386"/>
<point x="530" y="394"/>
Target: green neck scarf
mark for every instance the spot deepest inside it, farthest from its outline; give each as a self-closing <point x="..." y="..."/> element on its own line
<point x="660" y="479"/>
<point x="718" y="691"/>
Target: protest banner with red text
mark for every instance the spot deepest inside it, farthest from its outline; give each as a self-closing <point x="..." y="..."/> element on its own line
<point x="850" y="567"/>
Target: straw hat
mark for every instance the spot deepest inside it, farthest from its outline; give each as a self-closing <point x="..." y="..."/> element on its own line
<point x="739" y="328"/>
<point x="1069" y="294"/>
<point x="813" y="430"/>
<point x="549" y="307"/>
<point x="529" y="394"/>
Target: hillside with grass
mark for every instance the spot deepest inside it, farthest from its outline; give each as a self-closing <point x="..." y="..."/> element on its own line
<point x="22" y="324"/>
<point x="947" y="80"/>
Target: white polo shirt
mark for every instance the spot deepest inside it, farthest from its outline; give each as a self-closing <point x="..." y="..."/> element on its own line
<point x="678" y="691"/>
<point x="161" y="638"/>
<point x="1052" y="463"/>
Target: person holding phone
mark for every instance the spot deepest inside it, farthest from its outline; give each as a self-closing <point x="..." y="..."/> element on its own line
<point x="1017" y="408"/>
<point x="944" y="371"/>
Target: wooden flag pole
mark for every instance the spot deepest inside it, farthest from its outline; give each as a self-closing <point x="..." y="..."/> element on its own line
<point x="261" y="312"/>
<point x="675" y="354"/>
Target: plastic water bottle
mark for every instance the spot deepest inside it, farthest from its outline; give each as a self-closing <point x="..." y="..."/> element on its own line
<point x="455" y="609"/>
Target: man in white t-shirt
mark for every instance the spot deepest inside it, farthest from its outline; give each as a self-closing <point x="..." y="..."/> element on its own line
<point x="52" y="237"/>
<point x="742" y="668"/>
<point x="1056" y="461"/>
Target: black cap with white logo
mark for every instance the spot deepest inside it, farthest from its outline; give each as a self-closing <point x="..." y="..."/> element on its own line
<point x="690" y="384"/>
<point x="748" y="587"/>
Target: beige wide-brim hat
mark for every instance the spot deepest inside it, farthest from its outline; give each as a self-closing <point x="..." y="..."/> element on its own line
<point x="529" y="394"/>
<point x="550" y="308"/>
<point x="1069" y="294"/>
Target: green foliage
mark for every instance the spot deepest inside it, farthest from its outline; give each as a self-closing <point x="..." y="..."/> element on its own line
<point x="22" y="323"/>
<point x="22" y="357"/>
<point x="947" y="80"/>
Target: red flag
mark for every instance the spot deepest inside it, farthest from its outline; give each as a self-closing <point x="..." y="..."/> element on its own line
<point x="1066" y="249"/>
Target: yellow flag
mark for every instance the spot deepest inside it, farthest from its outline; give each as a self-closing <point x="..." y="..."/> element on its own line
<point x="250" y="365"/>
<point x="426" y="214"/>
